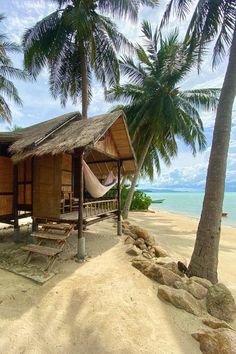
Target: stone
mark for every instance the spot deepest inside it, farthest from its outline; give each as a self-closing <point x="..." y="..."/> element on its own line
<point x="133" y="251"/>
<point x="147" y="255"/>
<point x="219" y="341"/>
<point x="164" y="260"/>
<point x="131" y="234"/>
<point x="202" y="281"/>
<point x="156" y="272"/>
<point x="140" y="244"/>
<point x="220" y="302"/>
<point x="181" y="299"/>
<point x="142" y="233"/>
<point x="215" y="324"/>
<point x="174" y="268"/>
<point x="195" y="289"/>
<point x="129" y="240"/>
<point x="160" y="252"/>
<point x="141" y="264"/>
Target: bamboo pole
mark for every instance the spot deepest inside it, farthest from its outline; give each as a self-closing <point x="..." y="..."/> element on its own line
<point x="119" y="223"/>
<point x="81" y="238"/>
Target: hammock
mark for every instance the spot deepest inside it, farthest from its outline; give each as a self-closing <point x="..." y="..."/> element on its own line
<point x="95" y="188"/>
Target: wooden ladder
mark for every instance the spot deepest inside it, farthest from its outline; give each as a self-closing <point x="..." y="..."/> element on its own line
<point x="57" y="233"/>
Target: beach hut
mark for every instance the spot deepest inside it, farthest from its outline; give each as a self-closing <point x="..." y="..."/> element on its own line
<point x="42" y="170"/>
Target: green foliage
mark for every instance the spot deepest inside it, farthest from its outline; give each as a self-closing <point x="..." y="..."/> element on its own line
<point x="79" y="31"/>
<point x="7" y="73"/>
<point x="155" y="104"/>
<point x="140" y="200"/>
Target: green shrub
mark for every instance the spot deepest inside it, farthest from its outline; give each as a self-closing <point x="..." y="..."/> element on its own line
<point x="140" y="200"/>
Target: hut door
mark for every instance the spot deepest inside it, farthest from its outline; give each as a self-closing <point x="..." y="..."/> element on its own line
<point x="47" y="186"/>
<point x="6" y="187"/>
<point x="25" y="185"/>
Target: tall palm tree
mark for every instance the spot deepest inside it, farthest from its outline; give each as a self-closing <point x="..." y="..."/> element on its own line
<point x="8" y="72"/>
<point x="76" y="40"/>
<point x="213" y="20"/>
<point x="157" y="109"/>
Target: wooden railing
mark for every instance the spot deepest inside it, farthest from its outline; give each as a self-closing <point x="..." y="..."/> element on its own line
<point x="100" y="207"/>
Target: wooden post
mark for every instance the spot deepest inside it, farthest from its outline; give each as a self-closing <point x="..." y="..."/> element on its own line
<point x="15" y="204"/>
<point x="81" y="238"/>
<point x="119" y="223"/>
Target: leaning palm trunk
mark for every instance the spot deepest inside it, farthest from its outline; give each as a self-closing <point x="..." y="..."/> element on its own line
<point x="84" y="85"/>
<point x="204" y="259"/>
<point x="128" y="202"/>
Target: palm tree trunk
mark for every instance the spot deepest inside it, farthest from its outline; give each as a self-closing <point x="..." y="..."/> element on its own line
<point x="128" y="202"/>
<point x="204" y="259"/>
<point x="84" y="79"/>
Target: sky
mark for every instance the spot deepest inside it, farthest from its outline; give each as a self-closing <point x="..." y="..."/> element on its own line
<point x="186" y="172"/>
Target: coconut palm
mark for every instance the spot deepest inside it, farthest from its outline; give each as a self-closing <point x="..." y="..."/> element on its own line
<point x="8" y="72"/>
<point x="76" y="40"/>
<point x="212" y="20"/>
<point x="157" y="109"/>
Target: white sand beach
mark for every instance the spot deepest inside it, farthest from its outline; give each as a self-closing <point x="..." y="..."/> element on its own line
<point x="105" y="305"/>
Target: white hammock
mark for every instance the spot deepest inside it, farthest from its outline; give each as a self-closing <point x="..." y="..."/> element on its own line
<point x="95" y="188"/>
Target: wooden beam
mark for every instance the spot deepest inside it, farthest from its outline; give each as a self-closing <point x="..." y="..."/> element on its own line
<point x="15" y="203"/>
<point x="119" y="225"/>
<point x="81" y="240"/>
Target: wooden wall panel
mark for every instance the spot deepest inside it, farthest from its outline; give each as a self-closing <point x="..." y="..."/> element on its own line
<point x="47" y="186"/>
<point x="6" y="205"/>
<point x="6" y="175"/>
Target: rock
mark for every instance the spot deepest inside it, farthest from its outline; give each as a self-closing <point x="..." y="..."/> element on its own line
<point x="174" y="268"/>
<point x="141" y="264"/>
<point x="220" y="302"/>
<point x="220" y="341"/>
<point x="147" y="255"/>
<point x="215" y="324"/>
<point x="195" y="289"/>
<point x="131" y="234"/>
<point x="129" y="240"/>
<point x="140" y="244"/>
<point x="160" y="252"/>
<point x="142" y="233"/>
<point x="180" y="298"/>
<point x="133" y="251"/>
<point x="161" y="275"/>
<point x="164" y="260"/>
<point x="182" y="267"/>
<point x="202" y="281"/>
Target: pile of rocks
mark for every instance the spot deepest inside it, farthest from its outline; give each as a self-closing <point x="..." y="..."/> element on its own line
<point x="141" y="242"/>
<point x="195" y="295"/>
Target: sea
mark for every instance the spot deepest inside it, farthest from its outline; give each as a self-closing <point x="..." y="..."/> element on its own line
<point x="190" y="204"/>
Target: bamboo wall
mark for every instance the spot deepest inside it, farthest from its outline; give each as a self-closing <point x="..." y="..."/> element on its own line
<point x="6" y="186"/>
<point x="47" y="186"/>
<point x="25" y="184"/>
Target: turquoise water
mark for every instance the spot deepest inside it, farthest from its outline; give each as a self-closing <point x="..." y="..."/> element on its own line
<point x="190" y="203"/>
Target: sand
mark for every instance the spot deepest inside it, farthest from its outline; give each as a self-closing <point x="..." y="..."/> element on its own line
<point x="105" y="305"/>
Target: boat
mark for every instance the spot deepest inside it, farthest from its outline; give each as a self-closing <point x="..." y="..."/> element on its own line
<point x="224" y="215"/>
<point x="158" y="201"/>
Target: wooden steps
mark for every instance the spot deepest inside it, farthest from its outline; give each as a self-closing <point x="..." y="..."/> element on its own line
<point x="52" y="232"/>
<point x="49" y="236"/>
<point x="45" y="251"/>
<point x="53" y="226"/>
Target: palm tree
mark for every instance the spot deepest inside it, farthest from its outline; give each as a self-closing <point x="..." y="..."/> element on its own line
<point x="213" y="20"/>
<point x="157" y="109"/>
<point x="76" y="40"/>
<point x="8" y="72"/>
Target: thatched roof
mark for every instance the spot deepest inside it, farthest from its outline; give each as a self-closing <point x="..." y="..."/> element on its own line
<point x="9" y="137"/>
<point x="69" y="132"/>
